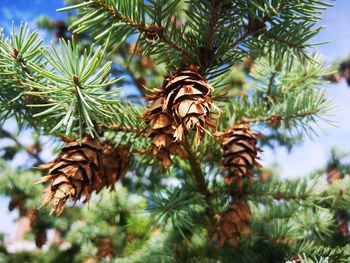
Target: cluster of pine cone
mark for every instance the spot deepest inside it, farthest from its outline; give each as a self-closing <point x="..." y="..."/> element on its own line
<point x="182" y="105"/>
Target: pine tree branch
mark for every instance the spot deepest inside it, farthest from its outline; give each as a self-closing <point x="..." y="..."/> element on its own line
<point x="269" y="118"/>
<point x="117" y="15"/>
<point x="209" y="38"/>
<point x="121" y="128"/>
<point x="256" y="28"/>
<point x="19" y="144"/>
<point x="22" y="63"/>
<point x="268" y="35"/>
<point x="140" y="27"/>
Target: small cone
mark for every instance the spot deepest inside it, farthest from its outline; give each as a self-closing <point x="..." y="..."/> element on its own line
<point x="115" y="164"/>
<point x="333" y="175"/>
<point x="41" y="238"/>
<point x="18" y="202"/>
<point x="233" y="224"/>
<point x="33" y="216"/>
<point x="343" y="227"/>
<point x="105" y="249"/>
<point x="239" y="153"/>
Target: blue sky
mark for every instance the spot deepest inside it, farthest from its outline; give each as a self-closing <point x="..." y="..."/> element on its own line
<point x="304" y="158"/>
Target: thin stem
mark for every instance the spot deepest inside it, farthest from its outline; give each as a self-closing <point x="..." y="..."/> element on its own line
<point x="200" y="180"/>
<point x="209" y="38"/>
<point x="121" y="128"/>
<point x="268" y="35"/>
<point x="268" y="118"/>
<point x="249" y="31"/>
<point x="271" y="81"/>
<point x="14" y="139"/>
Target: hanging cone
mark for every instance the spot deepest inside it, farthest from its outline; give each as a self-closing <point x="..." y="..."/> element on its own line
<point x="79" y="170"/>
<point x="188" y="100"/>
<point x="239" y="153"/>
<point x="115" y="164"/>
<point x="18" y="202"/>
<point x="33" y="216"/>
<point x="233" y="223"/>
<point x="343" y="227"/>
<point x="105" y="249"/>
<point x="333" y="175"/>
<point x="40" y="238"/>
<point x="75" y="173"/>
<point x="161" y="131"/>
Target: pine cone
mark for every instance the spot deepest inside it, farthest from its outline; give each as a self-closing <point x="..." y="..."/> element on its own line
<point x="188" y="100"/>
<point x="115" y="164"/>
<point x="239" y="153"/>
<point x="343" y="227"/>
<point x="18" y="202"/>
<point x="33" y="216"/>
<point x="41" y="238"/>
<point x="105" y="249"/>
<point x="333" y="175"/>
<point x="233" y="224"/>
<point x="79" y="170"/>
<point x="161" y="131"/>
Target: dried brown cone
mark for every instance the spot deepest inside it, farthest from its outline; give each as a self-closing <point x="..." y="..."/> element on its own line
<point x="343" y="227"/>
<point x="161" y="131"/>
<point x="76" y="172"/>
<point x="33" y="216"/>
<point x="40" y="238"/>
<point x="81" y="169"/>
<point x="115" y="164"/>
<point x="333" y="175"/>
<point x="188" y="100"/>
<point x="105" y="249"/>
<point x="233" y="224"/>
<point x="239" y="153"/>
<point x="18" y="202"/>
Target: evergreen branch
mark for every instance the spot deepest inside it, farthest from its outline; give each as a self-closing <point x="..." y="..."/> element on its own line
<point x="119" y="16"/>
<point x="304" y="190"/>
<point x="269" y="119"/>
<point x="290" y="44"/>
<point x="23" y="47"/>
<point x="121" y="128"/>
<point x="84" y="78"/>
<point x="139" y="26"/>
<point x="318" y="252"/>
<point x="176" y="205"/>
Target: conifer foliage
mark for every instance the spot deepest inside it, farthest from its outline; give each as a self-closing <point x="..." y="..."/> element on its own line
<point x="214" y="81"/>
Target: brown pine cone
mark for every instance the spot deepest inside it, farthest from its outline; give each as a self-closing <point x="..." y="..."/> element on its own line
<point x="41" y="238"/>
<point x="188" y="100"/>
<point x="105" y="249"/>
<point x="115" y="164"/>
<point x="239" y="153"/>
<point x="79" y="170"/>
<point x="161" y="131"/>
<point x="233" y="223"/>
